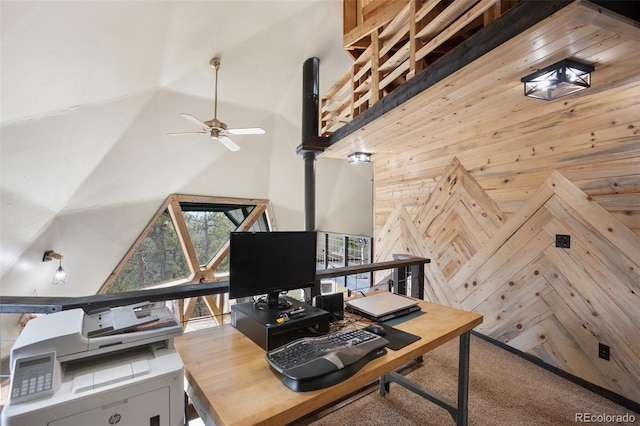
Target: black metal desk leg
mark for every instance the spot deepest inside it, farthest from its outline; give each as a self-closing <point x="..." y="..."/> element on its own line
<point x="459" y="410"/>
<point x="462" y="413"/>
<point x="186" y="409"/>
<point x="384" y="384"/>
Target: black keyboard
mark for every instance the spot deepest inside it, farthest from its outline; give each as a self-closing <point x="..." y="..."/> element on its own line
<point x="312" y="363"/>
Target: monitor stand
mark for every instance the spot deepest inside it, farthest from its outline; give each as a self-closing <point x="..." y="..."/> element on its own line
<point x="273" y="302"/>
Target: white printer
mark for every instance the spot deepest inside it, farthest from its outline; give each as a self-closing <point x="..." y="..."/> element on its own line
<point x="114" y="367"/>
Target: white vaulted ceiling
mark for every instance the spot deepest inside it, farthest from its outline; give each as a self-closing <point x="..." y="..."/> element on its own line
<point x="89" y="90"/>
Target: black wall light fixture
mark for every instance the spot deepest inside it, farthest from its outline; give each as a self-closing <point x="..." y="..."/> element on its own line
<point x="359" y="158"/>
<point x="560" y="79"/>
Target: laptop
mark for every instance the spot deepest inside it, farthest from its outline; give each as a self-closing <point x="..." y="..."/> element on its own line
<point x="383" y="306"/>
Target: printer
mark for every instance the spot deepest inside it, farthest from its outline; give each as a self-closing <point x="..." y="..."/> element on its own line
<point x="115" y="366"/>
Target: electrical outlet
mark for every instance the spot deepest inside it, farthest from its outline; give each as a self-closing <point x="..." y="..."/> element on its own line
<point x="563" y="241"/>
<point x="604" y="351"/>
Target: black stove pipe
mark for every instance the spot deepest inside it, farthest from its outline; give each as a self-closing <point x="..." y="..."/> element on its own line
<point x="310" y="130"/>
<point x="309" y="191"/>
<point x="310" y="99"/>
<point x="312" y="144"/>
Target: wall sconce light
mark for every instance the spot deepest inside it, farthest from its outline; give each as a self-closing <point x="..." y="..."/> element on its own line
<point x="60" y="277"/>
<point x="560" y="79"/>
<point x="359" y="158"/>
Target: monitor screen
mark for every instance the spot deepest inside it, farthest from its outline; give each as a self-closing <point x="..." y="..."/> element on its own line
<point x="268" y="263"/>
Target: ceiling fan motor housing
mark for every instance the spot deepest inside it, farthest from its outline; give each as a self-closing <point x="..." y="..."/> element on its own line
<point x="216" y="123"/>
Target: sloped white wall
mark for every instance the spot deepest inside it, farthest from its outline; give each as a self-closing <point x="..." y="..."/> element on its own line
<point x="88" y="98"/>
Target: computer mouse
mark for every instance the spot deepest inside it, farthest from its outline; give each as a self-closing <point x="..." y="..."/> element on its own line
<point x="375" y="329"/>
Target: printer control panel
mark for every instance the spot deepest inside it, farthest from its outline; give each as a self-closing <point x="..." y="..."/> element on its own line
<point x="33" y="377"/>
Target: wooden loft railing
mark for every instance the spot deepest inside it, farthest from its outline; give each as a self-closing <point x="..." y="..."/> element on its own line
<point x="402" y="265"/>
<point x="49" y="305"/>
<point x="393" y="40"/>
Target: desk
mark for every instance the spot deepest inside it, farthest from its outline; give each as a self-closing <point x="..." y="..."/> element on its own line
<point x="235" y="385"/>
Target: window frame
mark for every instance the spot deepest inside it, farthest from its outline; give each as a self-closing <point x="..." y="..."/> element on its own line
<point x="198" y="273"/>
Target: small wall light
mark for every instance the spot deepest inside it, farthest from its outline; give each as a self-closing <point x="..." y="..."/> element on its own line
<point x="60" y="277"/>
<point x="359" y="158"/>
<point x="560" y="79"/>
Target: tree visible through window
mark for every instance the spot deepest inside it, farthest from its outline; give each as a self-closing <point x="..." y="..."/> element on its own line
<point x="209" y="227"/>
<point x="158" y="259"/>
<point x="187" y="242"/>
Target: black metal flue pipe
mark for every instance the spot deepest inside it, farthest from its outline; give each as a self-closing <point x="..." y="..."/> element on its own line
<point x="310" y="129"/>
<point x="310" y="99"/>
<point x="309" y="190"/>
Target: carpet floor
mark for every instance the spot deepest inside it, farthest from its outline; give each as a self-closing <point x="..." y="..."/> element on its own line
<point x="504" y="390"/>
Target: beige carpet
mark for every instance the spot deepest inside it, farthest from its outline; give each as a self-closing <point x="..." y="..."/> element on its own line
<point x="504" y="390"/>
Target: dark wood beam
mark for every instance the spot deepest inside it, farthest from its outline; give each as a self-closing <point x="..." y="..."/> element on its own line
<point x="47" y="305"/>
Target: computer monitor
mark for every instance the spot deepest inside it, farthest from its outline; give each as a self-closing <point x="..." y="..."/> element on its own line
<point x="269" y="263"/>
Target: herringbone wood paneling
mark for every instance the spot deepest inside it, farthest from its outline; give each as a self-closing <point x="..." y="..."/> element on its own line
<point x="554" y="303"/>
<point x="457" y="219"/>
<point x="489" y="220"/>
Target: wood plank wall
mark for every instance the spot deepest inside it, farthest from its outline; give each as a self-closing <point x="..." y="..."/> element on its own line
<point x="492" y="245"/>
<point x="480" y="179"/>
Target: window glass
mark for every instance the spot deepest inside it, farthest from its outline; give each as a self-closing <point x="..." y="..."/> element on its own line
<point x="209" y="226"/>
<point x="158" y="259"/>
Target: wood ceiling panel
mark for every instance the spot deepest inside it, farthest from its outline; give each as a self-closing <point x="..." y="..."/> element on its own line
<point x="483" y="102"/>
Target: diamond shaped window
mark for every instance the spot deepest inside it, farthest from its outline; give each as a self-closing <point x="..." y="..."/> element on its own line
<point x="187" y="242"/>
<point x="209" y="226"/>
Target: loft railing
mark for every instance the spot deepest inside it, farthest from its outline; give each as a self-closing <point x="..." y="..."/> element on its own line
<point x="391" y="42"/>
<point x="336" y="250"/>
<point x="406" y="277"/>
<point x="405" y="264"/>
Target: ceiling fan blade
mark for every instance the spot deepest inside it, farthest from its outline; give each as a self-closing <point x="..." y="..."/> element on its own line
<point x="231" y="145"/>
<point x="194" y="120"/>
<point x="247" y="131"/>
<point x="188" y="133"/>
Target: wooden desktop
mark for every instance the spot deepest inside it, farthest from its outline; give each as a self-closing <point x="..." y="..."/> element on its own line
<point x="231" y="382"/>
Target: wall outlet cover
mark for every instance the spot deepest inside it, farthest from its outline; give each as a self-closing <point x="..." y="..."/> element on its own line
<point x="563" y="241"/>
<point x="604" y="351"/>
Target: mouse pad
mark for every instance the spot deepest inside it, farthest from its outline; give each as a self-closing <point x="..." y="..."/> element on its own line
<point x="398" y="339"/>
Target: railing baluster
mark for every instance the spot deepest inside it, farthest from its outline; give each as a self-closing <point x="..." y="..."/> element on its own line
<point x="402" y="36"/>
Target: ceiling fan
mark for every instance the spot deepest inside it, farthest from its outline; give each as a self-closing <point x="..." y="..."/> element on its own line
<point x="216" y="128"/>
